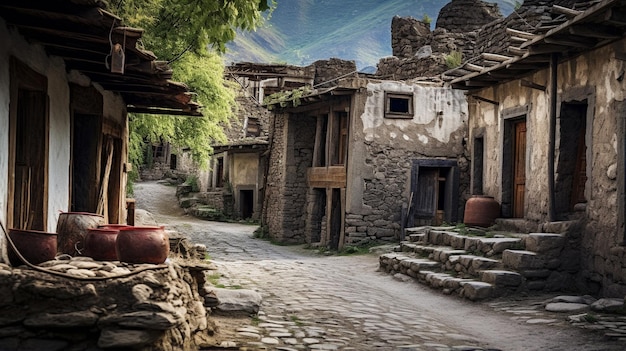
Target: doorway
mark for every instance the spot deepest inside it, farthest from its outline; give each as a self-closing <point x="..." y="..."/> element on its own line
<point x="514" y="168"/>
<point x="246" y="203"/>
<point x="571" y="165"/>
<point x="28" y="148"/>
<point x="434" y="189"/>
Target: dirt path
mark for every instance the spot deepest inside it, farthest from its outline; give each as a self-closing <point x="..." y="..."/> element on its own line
<point x="314" y="302"/>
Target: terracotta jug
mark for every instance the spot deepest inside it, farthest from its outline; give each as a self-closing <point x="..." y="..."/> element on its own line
<point x="100" y="244"/>
<point x="142" y="245"/>
<point x="481" y="211"/>
<point x="36" y="246"/>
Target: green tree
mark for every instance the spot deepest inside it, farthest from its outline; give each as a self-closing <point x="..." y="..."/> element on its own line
<point x="190" y="35"/>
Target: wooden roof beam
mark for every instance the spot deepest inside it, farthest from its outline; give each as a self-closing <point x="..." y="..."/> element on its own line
<point x="520" y="34"/>
<point x="577" y="42"/>
<point x="565" y="11"/>
<point x="616" y="16"/>
<point x="596" y="30"/>
<point x="495" y="57"/>
<point x="473" y="67"/>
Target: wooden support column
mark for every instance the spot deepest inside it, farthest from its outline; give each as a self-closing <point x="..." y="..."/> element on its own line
<point x="342" y="230"/>
<point x="130" y="207"/>
<point x="329" y="211"/>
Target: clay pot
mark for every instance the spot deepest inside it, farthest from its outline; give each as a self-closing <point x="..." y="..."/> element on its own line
<point x="72" y="229"/>
<point x="481" y="211"/>
<point x="34" y="245"/>
<point x="142" y="245"/>
<point x="100" y="244"/>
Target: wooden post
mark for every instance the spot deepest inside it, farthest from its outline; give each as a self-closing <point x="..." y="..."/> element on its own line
<point x="130" y="207"/>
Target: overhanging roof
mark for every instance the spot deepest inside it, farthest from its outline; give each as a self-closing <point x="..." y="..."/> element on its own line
<point x="81" y="32"/>
<point x="577" y="32"/>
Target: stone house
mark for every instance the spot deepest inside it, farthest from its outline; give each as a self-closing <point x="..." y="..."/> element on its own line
<point x="69" y="74"/>
<point x="362" y="158"/>
<point x="237" y="174"/>
<point x="546" y="129"/>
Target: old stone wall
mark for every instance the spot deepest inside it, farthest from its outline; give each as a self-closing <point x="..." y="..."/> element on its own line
<point x="593" y="80"/>
<point x="384" y="149"/>
<point x="284" y="210"/>
<point x="327" y="71"/>
<point x="274" y="201"/>
<point x="158" y="308"/>
<point x="464" y="16"/>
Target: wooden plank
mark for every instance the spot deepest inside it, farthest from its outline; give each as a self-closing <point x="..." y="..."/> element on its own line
<point x="473" y="67"/>
<point x="565" y="11"/>
<point x="520" y="34"/>
<point x="327" y="177"/>
<point x="495" y="57"/>
<point x="595" y="31"/>
<point x="516" y="51"/>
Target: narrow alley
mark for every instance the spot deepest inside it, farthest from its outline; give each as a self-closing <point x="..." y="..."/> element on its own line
<point x="317" y="302"/>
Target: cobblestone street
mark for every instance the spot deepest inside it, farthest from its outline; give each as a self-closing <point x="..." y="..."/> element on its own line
<point x="316" y="302"/>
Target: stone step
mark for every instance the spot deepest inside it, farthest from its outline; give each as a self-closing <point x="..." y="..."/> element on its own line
<point x="520" y="260"/>
<point x="470" y="265"/>
<point x="474" y="290"/>
<point x="417" y="238"/>
<point x="545" y="243"/>
<point x="501" y="278"/>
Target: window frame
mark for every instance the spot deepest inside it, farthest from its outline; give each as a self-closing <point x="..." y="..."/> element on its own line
<point x="396" y="114"/>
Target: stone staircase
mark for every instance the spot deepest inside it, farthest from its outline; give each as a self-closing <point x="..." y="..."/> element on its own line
<point x="480" y="267"/>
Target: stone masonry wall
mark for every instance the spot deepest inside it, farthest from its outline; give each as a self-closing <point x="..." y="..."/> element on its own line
<point x="273" y="205"/>
<point x="160" y="308"/>
<point x="326" y="71"/>
<point x="301" y="140"/>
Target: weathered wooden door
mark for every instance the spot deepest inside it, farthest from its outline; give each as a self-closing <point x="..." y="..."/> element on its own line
<point x="426" y="195"/>
<point x="519" y="169"/>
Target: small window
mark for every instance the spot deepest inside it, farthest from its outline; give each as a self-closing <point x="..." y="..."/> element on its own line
<point x="398" y="105"/>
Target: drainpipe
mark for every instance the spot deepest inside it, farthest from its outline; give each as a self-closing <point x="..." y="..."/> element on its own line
<point x="554" y="61"/>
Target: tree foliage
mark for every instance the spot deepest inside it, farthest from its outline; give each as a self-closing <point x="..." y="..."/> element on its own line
<point x="190" y="35"/>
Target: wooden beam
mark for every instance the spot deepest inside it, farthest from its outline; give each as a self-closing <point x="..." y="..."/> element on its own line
<point x="616" y="16"/>
<point x="480" y="98"/>
<point x="516" y="51"/>
<point x="473" y="67"/>
<point x="529" y="84"/>
<point x="520" y="34"/>
<point x="479" y="83"/>
<point x="162" y="111"/>
<point x="577" y="42"/>
<point x="565" y="11"/>
<point x="546" y="49"/>
<point x="495" y="57"/>
<point x="596" y="31"/>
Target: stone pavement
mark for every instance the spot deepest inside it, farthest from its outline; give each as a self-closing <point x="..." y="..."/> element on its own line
<point x="316" y="302"/>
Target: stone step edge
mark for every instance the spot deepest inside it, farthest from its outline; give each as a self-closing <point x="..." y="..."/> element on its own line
<point x="500" y="281"/>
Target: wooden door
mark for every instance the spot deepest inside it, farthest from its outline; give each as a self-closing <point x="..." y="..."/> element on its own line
<point x="519" y="169"/>
<point x="426" y="195"/>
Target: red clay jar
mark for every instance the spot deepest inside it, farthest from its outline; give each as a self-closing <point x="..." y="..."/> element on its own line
<point x="142" y="245"/>
<point x="100" y="244"/>
<point x="36" y="246"/>
<point x="481" y="211"/>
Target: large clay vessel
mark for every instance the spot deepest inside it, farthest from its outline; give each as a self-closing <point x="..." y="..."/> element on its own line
<point x="142" y="245"/>
<point x="72" y="229"/>
<point x="481" y="211"/>
<point x="35" y="246"/>
<point x="100" y="243"/>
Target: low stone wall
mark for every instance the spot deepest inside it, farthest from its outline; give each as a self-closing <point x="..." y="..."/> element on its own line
<point x="107" y="305"/>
